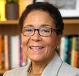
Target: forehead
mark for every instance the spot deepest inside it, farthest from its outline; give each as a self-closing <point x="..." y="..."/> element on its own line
<point x="39" y="17"/>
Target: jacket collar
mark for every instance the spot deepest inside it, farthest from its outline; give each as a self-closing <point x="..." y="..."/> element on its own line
<point x="25" y="69"/>
<point x="55" y="63"/>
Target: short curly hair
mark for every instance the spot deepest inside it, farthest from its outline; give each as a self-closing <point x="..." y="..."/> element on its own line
<point x="47" y="7"/>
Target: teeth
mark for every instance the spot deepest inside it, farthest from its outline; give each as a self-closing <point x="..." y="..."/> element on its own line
<point x="36" y="48"/>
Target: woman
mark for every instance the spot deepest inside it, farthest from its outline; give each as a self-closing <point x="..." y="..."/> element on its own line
<point x="42" y="26"/>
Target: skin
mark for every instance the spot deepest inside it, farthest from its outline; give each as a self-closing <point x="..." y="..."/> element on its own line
<point x="40" y="57"/>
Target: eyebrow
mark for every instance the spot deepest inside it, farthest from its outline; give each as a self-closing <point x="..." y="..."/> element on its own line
<point x="45" y="25"/>
<point x="40" y="26"/>
<point x="27" y="26"/>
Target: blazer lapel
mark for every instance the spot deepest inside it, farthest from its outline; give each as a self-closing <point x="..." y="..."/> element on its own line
<point x="53" y="67"/>
<point x="25" y="70"/>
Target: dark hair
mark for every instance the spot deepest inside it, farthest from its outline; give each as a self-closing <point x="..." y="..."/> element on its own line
<point x="49" y="8"/>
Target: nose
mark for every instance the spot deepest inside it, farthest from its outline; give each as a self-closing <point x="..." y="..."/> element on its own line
<point x="36" y="36"/>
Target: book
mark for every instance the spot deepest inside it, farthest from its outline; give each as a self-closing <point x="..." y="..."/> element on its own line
<point x="21" y="57"/>
<point x="1" y="52"/>
<point x="2" y="10"/>
<point x="65" y="48"/>
<point x="14" y="51"/>
<point x="6" y="52"/>
<point x="67" y="55"/>
<point x="74" y="52"/>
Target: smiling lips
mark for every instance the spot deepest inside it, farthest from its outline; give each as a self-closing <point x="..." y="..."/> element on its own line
<point x="36" y="48"/>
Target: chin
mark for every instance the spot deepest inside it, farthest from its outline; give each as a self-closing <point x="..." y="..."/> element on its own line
<point x="37" y="58"/>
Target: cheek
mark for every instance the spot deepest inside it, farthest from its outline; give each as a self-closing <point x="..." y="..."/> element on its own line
<point x="24" y="40"/>
<point x="51" y="42"/>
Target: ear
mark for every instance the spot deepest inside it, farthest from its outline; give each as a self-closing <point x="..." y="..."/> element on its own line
<point x="59" y="39"/>
<point x="58" y="43"/>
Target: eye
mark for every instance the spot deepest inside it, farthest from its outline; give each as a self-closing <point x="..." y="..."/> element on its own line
<point x="45" y="30"/>
<point x="28" y="30"/>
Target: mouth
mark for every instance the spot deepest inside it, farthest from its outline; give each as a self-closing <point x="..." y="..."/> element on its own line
<point x="36" y="48"/>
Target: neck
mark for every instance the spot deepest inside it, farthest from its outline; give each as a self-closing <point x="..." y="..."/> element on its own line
<point x="38" y="67"/>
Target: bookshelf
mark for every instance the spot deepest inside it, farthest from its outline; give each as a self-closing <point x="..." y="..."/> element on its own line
<point x="2" y="71"/>
<point x="9" y="27"/>
<point x="71" y="26"/>
<point x="10" y="22"/>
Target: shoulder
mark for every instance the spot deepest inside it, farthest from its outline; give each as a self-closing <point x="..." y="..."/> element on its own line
<point x="15" y="72"/>
<point x="68" y="70"/>
<point x="21" y="71"/>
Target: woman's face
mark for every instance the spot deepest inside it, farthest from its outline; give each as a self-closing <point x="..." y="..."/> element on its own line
<point x="40" y="48"/>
